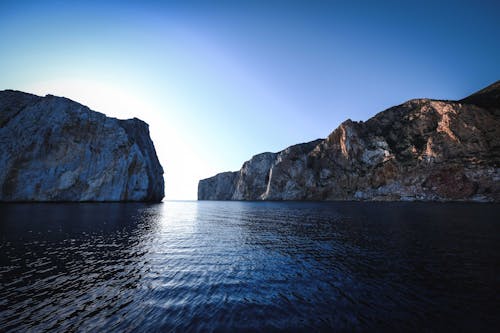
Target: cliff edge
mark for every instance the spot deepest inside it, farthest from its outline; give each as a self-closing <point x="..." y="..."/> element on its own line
<point x="429" y="150"/>
<point x="54" y="149"/>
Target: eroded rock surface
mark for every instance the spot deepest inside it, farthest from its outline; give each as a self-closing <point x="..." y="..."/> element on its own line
<point x="54" y="149"/>
<point x="423" y="149"/>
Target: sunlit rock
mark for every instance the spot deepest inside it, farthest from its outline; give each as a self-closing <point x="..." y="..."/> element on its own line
<point x="420" y="150"/>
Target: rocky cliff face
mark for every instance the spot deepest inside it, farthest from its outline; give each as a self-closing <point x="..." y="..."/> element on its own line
<point x="54" y="149"/>
<point x="420" y="150"/>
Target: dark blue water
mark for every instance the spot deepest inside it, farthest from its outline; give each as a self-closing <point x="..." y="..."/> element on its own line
<point x="227" y="266"/>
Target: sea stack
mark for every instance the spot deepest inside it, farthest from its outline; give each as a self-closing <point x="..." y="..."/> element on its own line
<point x="54" y="149"/>
<point x="424" y="149"/>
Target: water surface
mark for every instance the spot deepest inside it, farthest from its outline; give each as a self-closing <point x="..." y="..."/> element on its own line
<point x="226" y="266"/>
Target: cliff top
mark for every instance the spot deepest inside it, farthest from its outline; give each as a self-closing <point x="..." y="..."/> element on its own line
<point x="13" y="101"/>
<point x="488" y="97"/>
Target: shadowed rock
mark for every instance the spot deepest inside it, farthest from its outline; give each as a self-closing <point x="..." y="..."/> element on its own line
<point x="219" y="187"/>
<point x="54" y="149"/>
<point x="420" y="150"/>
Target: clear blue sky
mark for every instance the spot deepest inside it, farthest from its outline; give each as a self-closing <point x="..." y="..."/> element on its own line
<point x="220" y="81"/>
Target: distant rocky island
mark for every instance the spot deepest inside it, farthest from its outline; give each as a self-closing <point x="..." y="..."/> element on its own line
<point x="54" y="149"/>
<point x="428" y="150"/>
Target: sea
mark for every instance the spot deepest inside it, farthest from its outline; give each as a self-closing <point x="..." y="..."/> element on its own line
<point x="214" y="266"/>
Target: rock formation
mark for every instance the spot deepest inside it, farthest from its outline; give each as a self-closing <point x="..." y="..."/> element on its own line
<point x="54" y="149"/>
<point x="430" y="150"/>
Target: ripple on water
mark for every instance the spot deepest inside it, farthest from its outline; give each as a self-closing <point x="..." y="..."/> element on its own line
<point x="203" y="266"/>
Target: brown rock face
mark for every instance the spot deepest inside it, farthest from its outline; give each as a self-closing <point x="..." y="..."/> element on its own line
<point x="450" y="183"/>
<point x="420" y="150"/>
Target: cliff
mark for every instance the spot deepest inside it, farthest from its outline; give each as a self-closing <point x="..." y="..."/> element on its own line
<point x="54" y="149"/>
<point x="423" y="149"/>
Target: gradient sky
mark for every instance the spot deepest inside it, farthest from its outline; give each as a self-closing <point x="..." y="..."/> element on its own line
<point x="220" y="81"/>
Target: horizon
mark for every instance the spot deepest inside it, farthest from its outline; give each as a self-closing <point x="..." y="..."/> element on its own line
<point x="220" y="83"/>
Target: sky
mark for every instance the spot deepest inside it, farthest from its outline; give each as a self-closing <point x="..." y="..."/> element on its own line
<point x="221" y="81"/>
